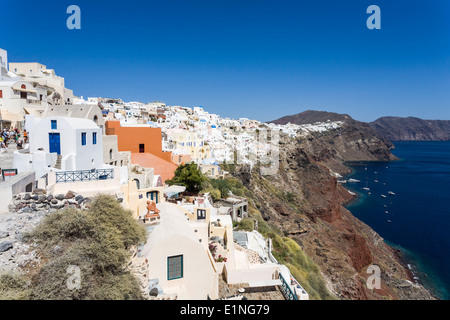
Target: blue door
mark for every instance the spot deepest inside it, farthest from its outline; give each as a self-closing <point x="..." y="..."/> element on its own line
<point x="54" y="141"/>
<point x="153" y="195"/>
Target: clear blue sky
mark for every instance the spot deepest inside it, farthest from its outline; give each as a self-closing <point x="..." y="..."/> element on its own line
<point x="248" y="58"/>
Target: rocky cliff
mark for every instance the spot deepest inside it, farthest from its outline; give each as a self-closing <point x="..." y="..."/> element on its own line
<point x="410" y="128"/>
<point x="305" y="201"/>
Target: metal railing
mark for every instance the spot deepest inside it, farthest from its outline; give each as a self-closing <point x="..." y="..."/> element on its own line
<point x="84" y="175"/>
<point x="31" y="101"/>
<point x="286" y="290"/>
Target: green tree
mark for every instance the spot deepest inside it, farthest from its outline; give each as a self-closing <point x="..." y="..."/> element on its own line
<point x="188" y="175"/>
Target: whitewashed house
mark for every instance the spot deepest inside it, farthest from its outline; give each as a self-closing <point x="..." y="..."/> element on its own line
<point x="78" y="141"/>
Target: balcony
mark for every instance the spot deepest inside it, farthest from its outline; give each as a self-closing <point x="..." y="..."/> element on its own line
<point x="84" y="175"/>
<point x="34" y="102"/>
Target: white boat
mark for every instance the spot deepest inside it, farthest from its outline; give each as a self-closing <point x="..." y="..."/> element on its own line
<point x="353" y="180"/>
<point x="342" y="181"/>
<point x="365" y="188"/>
<point x="391" y="193"/>
<point x="375" y="181"/>
<point x="389" y="221"/>
<point x="386" y="212"/>
<point x="383" y="196"/>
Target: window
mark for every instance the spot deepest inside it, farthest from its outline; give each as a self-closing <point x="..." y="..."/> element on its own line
<point x="83" y="138"/>
<point x="1" y="93"/>
<point x="142" y="148"/>
<point x="201" y="214"/>
<point x="94" y="138"/>
<point x="54" y="125"/>
<point x="175" y="267"/>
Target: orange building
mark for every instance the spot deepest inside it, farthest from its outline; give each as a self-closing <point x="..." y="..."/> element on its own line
<point x="163" y="168"/>
<point x="145" y="144"/>
<point x="181" y="158"/>
<point x="138" y="139"/>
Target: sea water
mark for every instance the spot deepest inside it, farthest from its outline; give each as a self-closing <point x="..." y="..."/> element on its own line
<point x="416" y="220"/>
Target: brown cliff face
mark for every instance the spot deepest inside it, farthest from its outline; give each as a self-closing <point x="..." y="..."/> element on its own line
<point x="412" y="129"/>
<point x="341" y="245"/>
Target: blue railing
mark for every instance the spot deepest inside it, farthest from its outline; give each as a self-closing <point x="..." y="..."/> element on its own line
<point x="287" y="291"/>
<point x="84" y="175"/>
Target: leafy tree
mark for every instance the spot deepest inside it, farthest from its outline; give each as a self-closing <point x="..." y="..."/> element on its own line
<point x="188" y="175"/>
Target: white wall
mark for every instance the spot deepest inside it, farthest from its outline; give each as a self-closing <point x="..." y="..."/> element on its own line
<point x="3" y="59"/>
<point x="38" y="162"/>
<point x="74" y="155"/>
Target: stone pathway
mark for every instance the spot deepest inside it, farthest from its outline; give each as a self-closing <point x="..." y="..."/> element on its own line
<point x="15" y="255"/>
<point x="231" y="291"/>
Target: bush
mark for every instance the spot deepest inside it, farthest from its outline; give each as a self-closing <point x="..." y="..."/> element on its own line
<point x="188" y="175"/>
<point x="246" y="224"/>
<point x="97" y="242"/>
<point x="215" y="193"/>
<point x="12" y="287"/>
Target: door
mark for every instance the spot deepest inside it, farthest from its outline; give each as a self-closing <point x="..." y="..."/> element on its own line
<point x="54" y="141"/>
<point x="153" y="195"/>
<point x="201" y="214"/>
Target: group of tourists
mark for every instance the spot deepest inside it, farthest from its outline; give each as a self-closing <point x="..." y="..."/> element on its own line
<point x="10" y="135"/>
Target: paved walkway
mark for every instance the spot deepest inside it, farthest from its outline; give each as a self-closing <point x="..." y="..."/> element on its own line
<point x="6" y="157"/>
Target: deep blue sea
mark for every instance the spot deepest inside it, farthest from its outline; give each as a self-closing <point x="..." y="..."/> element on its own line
<point x="416" y="219"/>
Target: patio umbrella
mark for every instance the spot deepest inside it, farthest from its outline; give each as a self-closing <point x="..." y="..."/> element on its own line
<point x="173" y="190"/>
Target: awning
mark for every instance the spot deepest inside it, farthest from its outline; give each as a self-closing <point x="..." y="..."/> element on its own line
<point x="24" y="90"/>
<point x="174" y="189"/>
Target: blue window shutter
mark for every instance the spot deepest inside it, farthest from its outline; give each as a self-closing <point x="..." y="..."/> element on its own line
<point x="83" y="138"/>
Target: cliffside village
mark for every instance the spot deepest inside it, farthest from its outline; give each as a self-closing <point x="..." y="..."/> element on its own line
<point x="55" y="141"/>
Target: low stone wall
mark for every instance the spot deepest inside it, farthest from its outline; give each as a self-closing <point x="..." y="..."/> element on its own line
<point x="38" y="200"/>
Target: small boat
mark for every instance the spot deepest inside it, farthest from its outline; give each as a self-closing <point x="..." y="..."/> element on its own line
<point x="342" y="181"/>
<point x="383" y="196"/>
<point x="375" y="181"/>
<point x="391" y="193"/>
<point x="369" y="193"/>
<point x="386" y="212"/>
<point x="389" y="221"/>
<point x="353" y="180"/>
<point x="385" y="206"/>
<point x="364" y="188"/>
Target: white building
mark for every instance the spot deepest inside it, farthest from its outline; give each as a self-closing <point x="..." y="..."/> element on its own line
<point x="3" y="59"/>
<point x="78" y="141"/>
<point x="179" y="262"/>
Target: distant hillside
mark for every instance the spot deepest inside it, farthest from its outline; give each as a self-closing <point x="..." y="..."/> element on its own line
<point x="410" y="128"/>
<point x="311" y="116"/>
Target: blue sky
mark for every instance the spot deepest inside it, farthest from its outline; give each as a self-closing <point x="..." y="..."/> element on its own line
<point x="255" y="59"/>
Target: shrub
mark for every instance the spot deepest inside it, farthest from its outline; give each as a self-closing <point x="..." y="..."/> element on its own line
<point x="13" y="287"/>
<point x="188" y="175"/>
<point x="97" y="242"/>
<point x="246" y="224"/>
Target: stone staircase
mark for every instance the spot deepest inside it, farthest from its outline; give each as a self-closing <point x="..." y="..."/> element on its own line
<point x="58" y="162"/>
